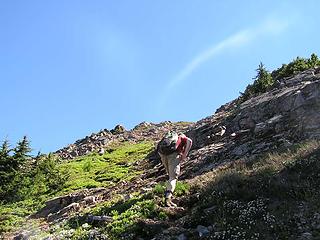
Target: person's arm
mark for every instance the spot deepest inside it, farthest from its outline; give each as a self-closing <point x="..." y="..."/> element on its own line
<point x="186" y="149"/>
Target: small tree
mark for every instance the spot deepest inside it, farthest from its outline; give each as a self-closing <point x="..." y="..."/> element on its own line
<point x="21" y="154"/>
<point x="263" y="81"/>
<point x="5" y="170"/>
<point x="5" y="148"/>
<point x="298" y="65"/>
<point x="4" y="155"/>
<point x="313" y="61"/>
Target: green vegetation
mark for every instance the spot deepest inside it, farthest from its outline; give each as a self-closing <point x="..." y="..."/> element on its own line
<point x="116" y="164"/>
<point x="181" y="189"/>
<point x="127" y="217"/>
<point x="128" y="214"/>
<point x="27" y="182"/>
<point x="271" y="197"/>
<point x="23" y="177"/>
<point x="275" y="197"/>
<point x="297" y="65"/>
<point x="262" y="83"/>
<point x="265" y="81"/>
<point x="13" y="214"/>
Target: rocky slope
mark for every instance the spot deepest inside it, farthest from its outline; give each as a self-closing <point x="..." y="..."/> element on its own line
<point x="238" y="133"/>
<point x="97" y="142"/>
<point x="277" y="119"/>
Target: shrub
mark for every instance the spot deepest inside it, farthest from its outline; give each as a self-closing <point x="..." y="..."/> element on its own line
<point x="182" y="188"/>
<point x="263" y="82"/>
<point x="126" y="215"/>
<point x="297" y="65"/>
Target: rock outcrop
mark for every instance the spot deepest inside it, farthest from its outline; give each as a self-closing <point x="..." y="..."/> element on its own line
<point x="276" y="119"/>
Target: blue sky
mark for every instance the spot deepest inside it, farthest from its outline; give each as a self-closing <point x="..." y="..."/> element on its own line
<point x="70" y="68"/>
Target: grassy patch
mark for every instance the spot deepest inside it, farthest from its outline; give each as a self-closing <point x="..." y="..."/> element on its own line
<point x="127" y="216"/>
<point x="88" y="171"/>
<point x="181" y="189"/>
<point x="94" y="170"/>
<point x="12" y="215"/>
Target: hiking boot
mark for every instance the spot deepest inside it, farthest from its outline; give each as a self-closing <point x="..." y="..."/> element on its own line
<point x="169" y="203"/>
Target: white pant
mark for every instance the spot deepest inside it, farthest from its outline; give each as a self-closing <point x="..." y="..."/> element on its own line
<point x="172" y="165"/>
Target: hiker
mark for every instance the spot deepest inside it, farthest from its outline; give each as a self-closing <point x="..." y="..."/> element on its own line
<point x="173" y="148"/>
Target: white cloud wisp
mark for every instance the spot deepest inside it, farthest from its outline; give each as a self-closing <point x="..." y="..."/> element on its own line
<point x="269" y="27"/>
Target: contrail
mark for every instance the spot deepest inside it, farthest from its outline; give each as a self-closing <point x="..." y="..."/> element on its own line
<point x="239" y="39"/>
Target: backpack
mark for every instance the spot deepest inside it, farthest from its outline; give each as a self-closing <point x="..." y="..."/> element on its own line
<point x="168" y="143"/>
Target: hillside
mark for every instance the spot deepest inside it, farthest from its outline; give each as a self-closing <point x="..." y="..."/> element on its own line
<point x="252" y="173"/>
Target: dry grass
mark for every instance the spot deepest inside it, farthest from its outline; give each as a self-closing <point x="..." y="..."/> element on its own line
<point x="272" y="197"/>
<point x="274" y="162"/>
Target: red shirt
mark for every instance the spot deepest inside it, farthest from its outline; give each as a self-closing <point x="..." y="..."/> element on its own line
<point x="181" y="143"/>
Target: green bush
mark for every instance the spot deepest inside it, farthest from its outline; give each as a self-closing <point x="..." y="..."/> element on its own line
<point x="181" y="189"/>
<point x="87" y="165"/>
<point x="160" y="188"/>
<point x="262" y="83"/>
<point x="297" y="65"/>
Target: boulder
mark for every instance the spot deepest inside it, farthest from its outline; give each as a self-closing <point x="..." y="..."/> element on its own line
<point x="118" y="129"/>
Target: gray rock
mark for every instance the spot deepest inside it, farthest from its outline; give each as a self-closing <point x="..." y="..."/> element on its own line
<point x="210" y="228"/>
<point x="166" y="231"/>
<point x="275" y="119"/>
<point x="118" y="129"/>
<point x="202" y="230"/>
<point x="22" y="236"/>
<point x="260" y="128"/>
<point x="241" y="150"/>
<point x="48" y="238"/>
<point x="306" y="236"/>
<point x="182" y="237"/>
<point x="246" y="123"/>
<point x="92" y="218"/>
<point x="101" y="151"/>
<point x="210" y="210"/>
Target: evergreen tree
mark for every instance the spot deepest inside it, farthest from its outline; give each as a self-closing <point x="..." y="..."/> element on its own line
<point x="313" y="61"/>
<point x="6" y="171"/>
<point x="4" y="155"/>
<point x="21" y="180"/>
<point x="263" y="81"/>
<point x="21" y="154"/>
<point x="298" y="65"/>
<point x="4" y="160"/>
<point x="53" y="177"/>
<point x="5" y="148"/>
